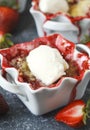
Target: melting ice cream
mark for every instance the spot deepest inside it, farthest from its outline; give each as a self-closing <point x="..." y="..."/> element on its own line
<point x="46" y="64"/>
<point x="54" y="6"/>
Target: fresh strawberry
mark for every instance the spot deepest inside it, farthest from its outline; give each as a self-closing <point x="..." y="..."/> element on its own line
<point x="74" y="114"/>
<point x="8" y="21"/>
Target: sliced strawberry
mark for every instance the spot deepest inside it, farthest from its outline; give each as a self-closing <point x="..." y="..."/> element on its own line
<point x="74" y="114"/>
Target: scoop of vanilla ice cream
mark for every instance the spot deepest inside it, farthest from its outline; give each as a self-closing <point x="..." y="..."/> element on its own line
<point x="82" y="8"/>
<point x="54" y="6"/>
<point x="46" y="64"/>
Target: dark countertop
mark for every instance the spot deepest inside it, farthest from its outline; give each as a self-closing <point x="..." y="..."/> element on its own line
<point x="19" y="117"/>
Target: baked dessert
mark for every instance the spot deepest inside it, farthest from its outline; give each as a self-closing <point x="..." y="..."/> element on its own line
<point x="73" y="8"/>
<point x="37" y="96"/>
<point x="46" y="63"/>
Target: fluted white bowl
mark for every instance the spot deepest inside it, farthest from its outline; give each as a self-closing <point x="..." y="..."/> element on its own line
<point x="44" y="99"/>
<point x="60" y="24"/>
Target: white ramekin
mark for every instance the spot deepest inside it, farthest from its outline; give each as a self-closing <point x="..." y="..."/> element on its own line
<point x="44" y="99"/>
<point x="60" y="24"/>
<point x="22" y="5"/>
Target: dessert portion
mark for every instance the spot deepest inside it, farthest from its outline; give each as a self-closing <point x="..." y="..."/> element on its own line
<point x="43" y="66"/>
<point x="56" y="16"/>
<point x="45" y="61"/>
<point x="55" y="6"/>
<point x="73" y="8"/>
<point x="46" y="64"/>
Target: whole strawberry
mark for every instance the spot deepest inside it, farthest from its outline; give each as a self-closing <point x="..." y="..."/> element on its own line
<point x="8" y="21"/>
<point x="74" y="114"/>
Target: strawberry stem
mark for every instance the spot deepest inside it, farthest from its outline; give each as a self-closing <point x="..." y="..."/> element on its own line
<point x="88" y="108"/>
<point x="86" y="111"/>
<point x="11" y="4"/>
<point x="5" y="41"/>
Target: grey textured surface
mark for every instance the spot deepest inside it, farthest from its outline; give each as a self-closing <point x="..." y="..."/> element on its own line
<point x="19" y="117"/>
